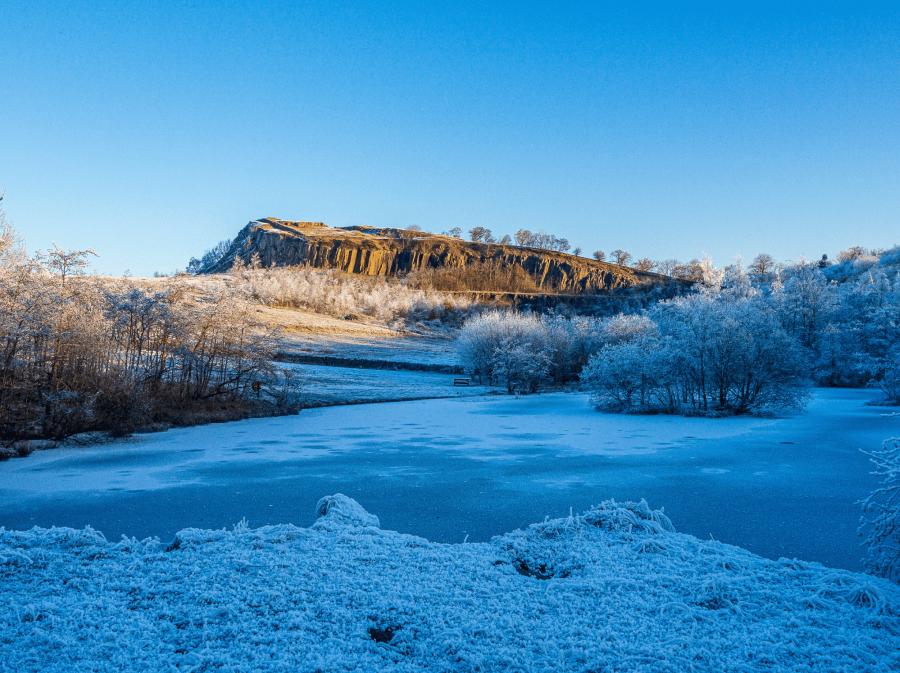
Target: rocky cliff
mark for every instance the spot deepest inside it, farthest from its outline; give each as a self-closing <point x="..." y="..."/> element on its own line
<point x="393" y="252"/>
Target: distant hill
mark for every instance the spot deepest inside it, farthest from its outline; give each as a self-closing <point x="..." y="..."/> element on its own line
<point x="395" y="252"/>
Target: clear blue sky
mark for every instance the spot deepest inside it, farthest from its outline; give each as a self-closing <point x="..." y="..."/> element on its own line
<point x="152" y="130"/>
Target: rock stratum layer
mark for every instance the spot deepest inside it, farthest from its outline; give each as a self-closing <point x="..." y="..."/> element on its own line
<point x="394" y="252"/>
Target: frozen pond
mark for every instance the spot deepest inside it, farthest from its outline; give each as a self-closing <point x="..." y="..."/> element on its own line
<point x="477" y="467"/>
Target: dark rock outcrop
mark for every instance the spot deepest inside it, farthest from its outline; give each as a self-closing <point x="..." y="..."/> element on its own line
<point x="394" y="252"/>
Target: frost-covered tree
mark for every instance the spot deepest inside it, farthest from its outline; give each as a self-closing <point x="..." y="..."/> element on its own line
<point x="804" y="302"/>
<point x="635" y="374"/>
<point x="521" y="363"/>
<point x="853" y="253"/>
<point x="712" y="351"/>
<point x="882" y="532"/>
<point x="888" y="378"/>
<point x="481" y="337"/>
<point x="12" y="243"/>
<point x="66" y="262"/>
<point x="210" y="257"/>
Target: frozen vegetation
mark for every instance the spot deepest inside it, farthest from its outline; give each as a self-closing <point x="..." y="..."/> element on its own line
<point x="746" y="340"/>
<point x="613" y="589"/>
<point x="336" y="293"/>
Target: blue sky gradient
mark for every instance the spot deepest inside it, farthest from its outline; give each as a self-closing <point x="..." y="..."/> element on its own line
<point x="152" y="130"/>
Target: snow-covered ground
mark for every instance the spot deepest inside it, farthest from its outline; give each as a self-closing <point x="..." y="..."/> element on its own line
<point x="477" y="467"/>
<point x="344" y="384"/>
<point x="317" y="334"/>
<point x="612" y="590"/>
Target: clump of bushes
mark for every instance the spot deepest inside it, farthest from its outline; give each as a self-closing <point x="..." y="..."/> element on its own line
<point x="712" y="352"/>
<point x="523" y="350"/>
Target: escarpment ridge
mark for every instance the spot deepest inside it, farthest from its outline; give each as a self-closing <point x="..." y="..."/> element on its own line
<point x="389" y="252"/>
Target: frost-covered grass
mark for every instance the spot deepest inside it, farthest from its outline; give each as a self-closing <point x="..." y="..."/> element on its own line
<point x="611" y="590"/>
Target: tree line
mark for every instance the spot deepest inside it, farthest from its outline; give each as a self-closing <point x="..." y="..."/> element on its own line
<point x="748" y="339"/>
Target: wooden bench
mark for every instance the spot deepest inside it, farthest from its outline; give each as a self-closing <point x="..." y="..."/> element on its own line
<point x="461" y="382"/>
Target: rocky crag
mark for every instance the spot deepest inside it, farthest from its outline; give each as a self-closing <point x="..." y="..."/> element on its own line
<point x="394" y="252"/>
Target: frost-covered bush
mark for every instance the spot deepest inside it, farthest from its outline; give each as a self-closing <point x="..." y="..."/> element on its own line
<point x="888" y="380"/>
<point x="523" y="349"/>
<point x="495" y="345"/>
<point x="882" y="532"/>
<point x="714" y="351"/>
<point x="638" y="374"/>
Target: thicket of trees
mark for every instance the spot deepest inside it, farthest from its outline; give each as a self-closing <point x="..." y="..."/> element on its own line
<point x="747" y="340"/>
<point x="81" y="353"/>
<point x="711" y="352"/>
<point x="210" y="257"/>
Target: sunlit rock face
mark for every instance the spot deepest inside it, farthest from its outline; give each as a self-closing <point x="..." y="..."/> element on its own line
<point x="393" y="252"/>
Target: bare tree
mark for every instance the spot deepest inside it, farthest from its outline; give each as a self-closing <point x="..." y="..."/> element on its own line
<point x="480" y="234"/>
<point x="644" y="264"/>
<point x="762" y="264"/>
<point x="523" y="237"/>
<point x="599" y="255"/>
<point x="577" y="251"/>
<point x="622" y="258"/>
<point x="667" y="267"/>
<point x="67" y="262"/>
<point x="12" y="243"/>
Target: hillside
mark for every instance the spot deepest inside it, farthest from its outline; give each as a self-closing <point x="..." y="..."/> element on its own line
<point x="394" y="252"/>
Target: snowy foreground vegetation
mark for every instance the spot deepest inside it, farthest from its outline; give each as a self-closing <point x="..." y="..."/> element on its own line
<point x="614" y="589"/>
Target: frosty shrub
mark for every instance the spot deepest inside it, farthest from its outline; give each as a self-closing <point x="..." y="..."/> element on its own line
<point x="710" y="352"/>
<point x="638" y="374"/>
<point x="484" y="340"/>
<point x="882" y="541"/>
<point x="523" y="349"/>
<point x="889" y="380"/>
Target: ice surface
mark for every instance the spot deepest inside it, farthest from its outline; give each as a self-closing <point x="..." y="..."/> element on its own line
<point x="610" y="590"/>
<point x="482" y="429"/>
<point x="477" y="467"/>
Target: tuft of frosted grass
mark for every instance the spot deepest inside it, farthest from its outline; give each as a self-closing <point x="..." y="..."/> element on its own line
<point x="882" y="531"/>
<point x="612" y="589"/>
